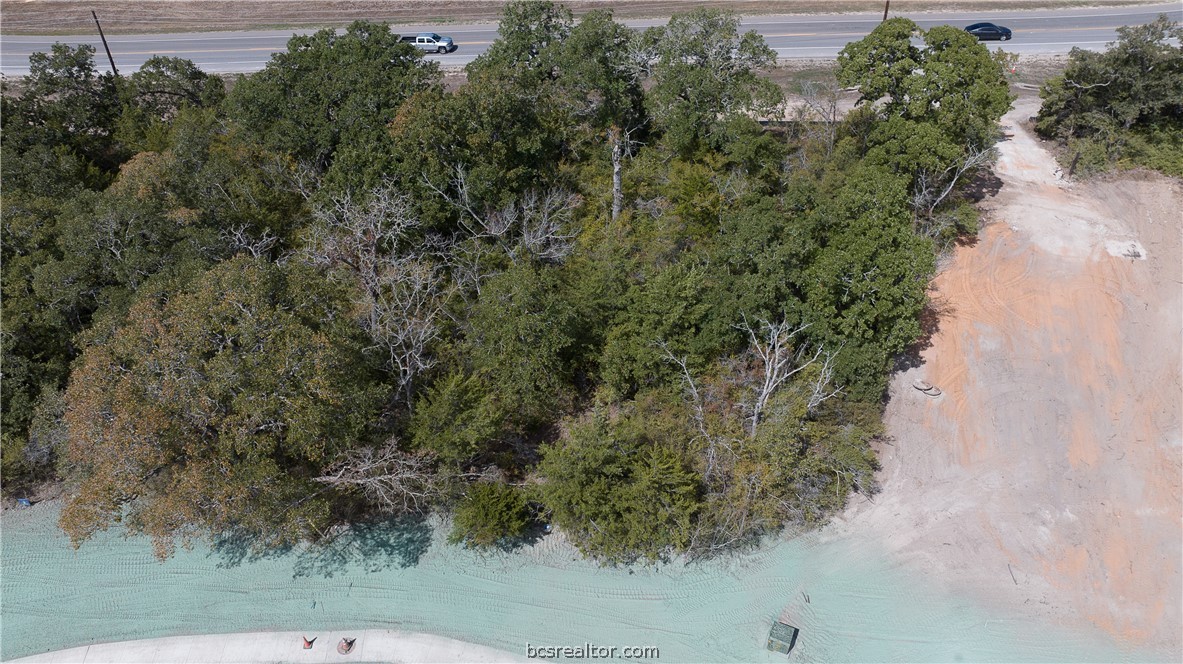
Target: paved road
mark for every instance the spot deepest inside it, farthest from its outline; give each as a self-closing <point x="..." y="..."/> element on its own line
<point x="814" y="36"/>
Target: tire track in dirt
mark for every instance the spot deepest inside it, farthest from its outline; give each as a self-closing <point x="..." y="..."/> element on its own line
<point x="1046" y="478"/>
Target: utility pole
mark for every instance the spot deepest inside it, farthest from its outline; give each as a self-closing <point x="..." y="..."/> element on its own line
<point x="105" y="47"/>
<point x="886" y="6"/>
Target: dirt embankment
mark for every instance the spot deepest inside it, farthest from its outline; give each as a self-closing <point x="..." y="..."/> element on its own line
<point x="1046" y="477"/>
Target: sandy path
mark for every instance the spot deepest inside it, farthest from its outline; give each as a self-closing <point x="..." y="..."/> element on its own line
<point x="372" y="645"/>
<point x="1046" y="478"/>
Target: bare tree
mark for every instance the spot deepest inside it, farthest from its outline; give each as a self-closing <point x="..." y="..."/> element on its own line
<point x="814" y="123"/>
<point x="772" y="345"/>
<point x="298" y="176"/>
<point x="393" y="480"/>
<point x="1088" y="86"/>
<point x="697" y="406"/>
<point x="542" y="219"/>
<point x="932" y="188"/>
<point x="617" y="140"/>
<point x="462" y="201"/>
<point x="740" y="492"/>
<point x="239" y="240"/>
<point x="822" y="386"/>
<point x="405" y="317"/>
<point x="467" y="262"/>
<point x="530" y="226"/>
<point x="362" y="236"/>
<point x="403" y="290"/>
<point x="821" y="103"/>
<point x="745" y="497"/>
<point x="622" y="144"/>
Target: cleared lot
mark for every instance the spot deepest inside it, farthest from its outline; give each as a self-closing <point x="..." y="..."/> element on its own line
<point x="1046" y="477"/>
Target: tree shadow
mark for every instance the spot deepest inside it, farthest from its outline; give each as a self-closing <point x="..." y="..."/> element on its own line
<point x="986" y="184"/>
<point x="930" y="324"/>
<point x="373" y="545"/>
<point x="968" y="239"/>
<point x="236" y="547"/>
<point x="529" y="537"/>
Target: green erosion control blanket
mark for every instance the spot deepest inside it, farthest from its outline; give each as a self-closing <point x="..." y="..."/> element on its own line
<point x="862" y="605"/>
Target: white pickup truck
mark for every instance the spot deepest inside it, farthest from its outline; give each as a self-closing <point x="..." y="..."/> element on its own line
<point x="431" y="42"/>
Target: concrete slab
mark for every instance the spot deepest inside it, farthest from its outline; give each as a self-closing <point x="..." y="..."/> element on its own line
<point x="372" y="645"/>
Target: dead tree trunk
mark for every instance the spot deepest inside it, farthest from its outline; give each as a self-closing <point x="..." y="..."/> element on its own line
<point x="617" y="169"/>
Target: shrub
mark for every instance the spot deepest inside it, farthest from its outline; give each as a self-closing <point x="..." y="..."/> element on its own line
<point x="490" y="513"/>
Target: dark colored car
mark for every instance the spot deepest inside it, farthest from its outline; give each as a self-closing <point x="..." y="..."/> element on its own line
<point x="984" y="31"/>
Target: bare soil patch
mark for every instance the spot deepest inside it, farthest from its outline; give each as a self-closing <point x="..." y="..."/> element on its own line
<point x="1046" y="477"/>
<point x="1035" y="70"/>
<point x="52" y="17"/>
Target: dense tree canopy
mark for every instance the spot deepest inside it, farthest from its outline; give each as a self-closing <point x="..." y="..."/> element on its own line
<point x="938" y="106"/>
<point x="620" y="498"/>
<point x="529" y="37"/>
<point x="865" y="289"/>
<point x="706" y="73"/>
<point x="586" y="287"/>
<point x="330" y="97"/>
<point x="491" y="513"/>
<point x="70" y="247"/>
<point x="67" y="104"/>
<point x="1123" y="103"/>
<point x="215" y="406"/>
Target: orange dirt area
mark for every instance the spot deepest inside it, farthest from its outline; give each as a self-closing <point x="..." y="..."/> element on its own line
<point x="1046" y="476"/>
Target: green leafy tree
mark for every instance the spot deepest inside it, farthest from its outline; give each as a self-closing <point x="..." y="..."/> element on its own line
<point x="35" y="335"/>
<point x="882" y="63"/>
<point x="331" y="93"/>
<point x="1125" y="100"/>
<point x="1135" y="82"/>
<point x="214" y="407"/>
<point x="705" y="72"/>
<point x="528" y="37"/>
<point x="756" y="264"/>
<point x="154" y="95"/>
<point x="938" y="106"/>
<point x="907" y="146"/>
<point x="520" y="341"/>
<point x="250" y="196"/>
<point x="579" y="82"/>
<point x="69" y="252"/>
<point x="961" y="88"/>
<point x="668" y="311"/>
<point x="618" y="499"/>
<point x="953" y="82"/>
<point x="456" y="418"/>
<point x="55" y="144"/>
<point x="163" y="85"/>
<point x="490" y="513"/>
<point x="188" y="205"/>
<point x="599" y="81"/>
<point x="600" y="89"/>
<point x="66" y="102"/>
<point x="480" y="149"/>
<point x="866" y="287"/>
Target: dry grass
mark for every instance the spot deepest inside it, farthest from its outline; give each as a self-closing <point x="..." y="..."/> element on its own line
<point x="790" y="74"/>
<point x="51" y="17"/>
<point x="1037" y="69"/>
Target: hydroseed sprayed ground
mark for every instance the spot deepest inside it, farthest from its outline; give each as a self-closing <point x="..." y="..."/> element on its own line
<point x="860" y="608"/>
